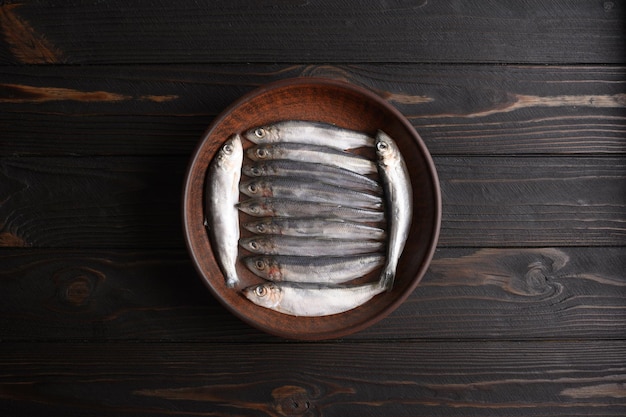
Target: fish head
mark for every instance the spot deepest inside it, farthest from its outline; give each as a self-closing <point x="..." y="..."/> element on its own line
<point x="256" y="207"/>
<point x="230" y="154"/>
<point x="263" y="227"/>
<point x="256" y="188"/>
<point x="257" y="245"/>
<point x="256" y="170"/>
<point x="386" y="147"/>
<point x="264" y="266"/>
<point x="263" y="134"/>
<point x="261" y="152"/>
<point x="266" y="295"/>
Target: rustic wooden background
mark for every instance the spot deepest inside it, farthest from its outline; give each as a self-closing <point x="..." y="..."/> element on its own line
<point x="522" y="104"/>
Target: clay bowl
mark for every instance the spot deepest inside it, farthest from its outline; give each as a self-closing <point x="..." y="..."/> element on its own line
<point x="346" y="106"/>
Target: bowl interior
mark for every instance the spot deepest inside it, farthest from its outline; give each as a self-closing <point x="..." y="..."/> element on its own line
<point x="346" y="106"/>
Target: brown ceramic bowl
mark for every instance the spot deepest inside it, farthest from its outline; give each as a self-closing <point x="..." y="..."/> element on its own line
<point x="347" y="106"/>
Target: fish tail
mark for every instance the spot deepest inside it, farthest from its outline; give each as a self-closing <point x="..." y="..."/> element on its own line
<point x="386" y="280"/>
<point x="232" y="281"/>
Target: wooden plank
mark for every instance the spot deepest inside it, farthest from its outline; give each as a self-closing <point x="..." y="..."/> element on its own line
<point x="134" y="202"/>
<point x="519" y="294"/>
<point x="457" y="109"/>
<point x="91" y="202"/>
<point x="275" y="31"/>
<point x="406" y="379"/>
<point x="532" y="201"/>
<point x="484" y="294"/>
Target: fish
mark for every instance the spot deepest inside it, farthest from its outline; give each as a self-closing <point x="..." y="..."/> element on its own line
<point x="324" y="173"/>
<point x="313" y="133"/>
<point x="300" y="246"/>
<point x="222" y="196"/>
<point x="304" y="190"/>
<point x="399" y="197"/>
<point x="311" y="300"/>
<point x="315" y="227"/>
<point x="313" y="154"/>
<point x="327" y="269"/>
<point x="279" y="207"/>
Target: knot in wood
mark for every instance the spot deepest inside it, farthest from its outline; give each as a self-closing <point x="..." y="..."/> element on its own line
<point x="290" y="400"/>
<point x="78" y="291"/>
<point x="536" y="280"/>
<point x="76" y="286"/>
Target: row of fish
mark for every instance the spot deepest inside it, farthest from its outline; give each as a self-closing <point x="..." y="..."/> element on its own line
<point x="318" y="215"/>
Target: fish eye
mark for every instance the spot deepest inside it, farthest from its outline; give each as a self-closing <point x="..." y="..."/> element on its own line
<point x="255" y="171"/>
<point x="254" y="245"/>
<point x="259" y="132"/>
<point x="261" y="228"/>
<point x="260" y="291"/>
<point x="253" y="188"/>
<point x="381" y="146"/>
<point x="262" y="153"/>
<point x="260" y="265"/>
<point x="228" y="148"/>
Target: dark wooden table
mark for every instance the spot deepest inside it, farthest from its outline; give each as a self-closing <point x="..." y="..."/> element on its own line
<point x="522" y="104"/>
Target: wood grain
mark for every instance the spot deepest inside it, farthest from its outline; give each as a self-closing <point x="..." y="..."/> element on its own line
<point x="522" y="201"/>
<point x="91" y="202"/>
<point x="276" y="31"/>
<point x="457" y="109"/>
<point x="135" y="202"/>
<point x="405" y="379"/>
<point x="482" y="294"/>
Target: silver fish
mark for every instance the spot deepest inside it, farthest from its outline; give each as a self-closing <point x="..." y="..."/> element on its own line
<point x="314" y="154"/>
<point x="315" y="227"/>
<point x="266" y="207"/>
<point x="222" y="196"/>
<point x="299" y="246"/>
<point x="314" y="133"/>
<point x="399" y="196"/>
<point x="327" y="269"/>
<point x="320" y="172"/>
<point x="304" y="190"/>
<point x="312" y="300"/>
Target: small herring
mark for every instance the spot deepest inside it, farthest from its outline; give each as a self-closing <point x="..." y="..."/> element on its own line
<point x="323" y="173"/>
<point x="313" y="154"/>
<point x="326" y="270"/>
<point x="302" y="189"/>
<point x="221" y="205"/>
<point x="311" y="300"/>
<point x="313" y="133"/>
<point x="315" y="227"/>
<point x="266" y="207"/>
<point x="399" y="198"/>
<point x="299" y="246"/>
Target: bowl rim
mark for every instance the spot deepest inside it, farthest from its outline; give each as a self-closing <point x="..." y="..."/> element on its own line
<point x="429" y="165"/>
